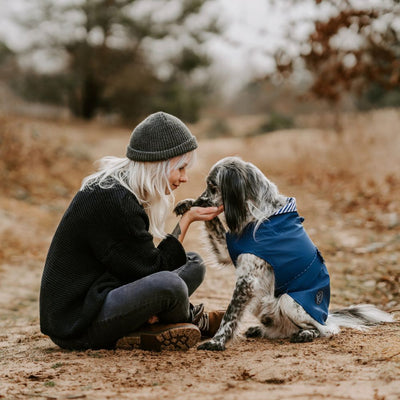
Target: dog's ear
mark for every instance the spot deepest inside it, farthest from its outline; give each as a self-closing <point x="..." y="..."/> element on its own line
<point x="232" y="184"/>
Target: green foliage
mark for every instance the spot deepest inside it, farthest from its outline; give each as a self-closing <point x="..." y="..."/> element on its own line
<point x="43" y="88"/>
<point x="8" y="62"/>
<point x="176" y="98"/>
<point x="275" y="122"/>
<point x="377" y="96"/>
<point x="218" y="127"/>
<point x="5" y="53"/>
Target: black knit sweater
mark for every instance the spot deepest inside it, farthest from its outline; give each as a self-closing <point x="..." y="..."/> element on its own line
<point x="101" y="243"/>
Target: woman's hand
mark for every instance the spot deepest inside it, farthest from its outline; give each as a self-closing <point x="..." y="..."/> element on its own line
<point x="202" y="213"/>
<point x="197" y="214"/>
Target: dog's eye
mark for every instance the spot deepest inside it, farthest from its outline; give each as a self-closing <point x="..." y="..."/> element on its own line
<point x="212" y="189"/>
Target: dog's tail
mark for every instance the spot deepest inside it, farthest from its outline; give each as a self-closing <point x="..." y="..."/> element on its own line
<point x="358" y="317"/>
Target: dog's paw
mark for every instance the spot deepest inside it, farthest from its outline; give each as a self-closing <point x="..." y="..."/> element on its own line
<point x="183" y="206"/>
<point x="211" y="345"/>
<point x="254" y="332"/>
<point x="203" y="202"/>
<point x="304" y="336"/>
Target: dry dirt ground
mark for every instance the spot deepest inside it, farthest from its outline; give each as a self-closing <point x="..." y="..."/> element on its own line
<point x="347" y="187"/>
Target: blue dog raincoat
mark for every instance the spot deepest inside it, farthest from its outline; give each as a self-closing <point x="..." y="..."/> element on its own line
<point x="298" y="265"/>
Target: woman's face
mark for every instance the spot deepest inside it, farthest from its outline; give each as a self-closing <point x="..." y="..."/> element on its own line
<point x="176" y="176"/>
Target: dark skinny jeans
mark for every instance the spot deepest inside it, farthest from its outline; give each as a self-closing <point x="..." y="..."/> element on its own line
<point x="127" y="308"/>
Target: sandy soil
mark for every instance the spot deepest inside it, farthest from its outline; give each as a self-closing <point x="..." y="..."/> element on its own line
<point x="347" y="188"/>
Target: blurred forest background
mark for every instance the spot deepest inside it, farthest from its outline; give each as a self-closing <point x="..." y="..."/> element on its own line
<point x="120" y="60"/>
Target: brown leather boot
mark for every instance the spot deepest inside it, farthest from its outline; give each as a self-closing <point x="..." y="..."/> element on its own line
<point x="209" y="322"/>
<point x="159" y="337"/>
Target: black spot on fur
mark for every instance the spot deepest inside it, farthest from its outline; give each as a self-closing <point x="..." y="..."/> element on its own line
<point x="254" y="332"/>
<point x="267" y="321"/>
<point x="304" y="336"/>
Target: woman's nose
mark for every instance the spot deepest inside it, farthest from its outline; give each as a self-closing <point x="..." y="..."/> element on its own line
<point x="183" y="177"/>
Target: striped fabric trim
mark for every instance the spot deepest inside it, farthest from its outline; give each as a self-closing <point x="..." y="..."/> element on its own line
<point x="290" y="206"/>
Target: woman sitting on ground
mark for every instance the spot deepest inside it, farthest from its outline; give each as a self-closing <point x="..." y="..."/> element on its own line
<point x="104" y="279"/>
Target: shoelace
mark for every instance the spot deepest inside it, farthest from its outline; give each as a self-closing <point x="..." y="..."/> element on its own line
<point x="204" y="323"/>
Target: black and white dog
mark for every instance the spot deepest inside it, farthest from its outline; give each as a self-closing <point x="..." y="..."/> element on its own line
<point x="281" y="275"/>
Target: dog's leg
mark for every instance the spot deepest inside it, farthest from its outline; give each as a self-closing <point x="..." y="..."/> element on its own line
<point x="242" y="295"/>
<point x="282" y="317"/>
<point x="263" y="315"/>
<point x="301" y="327"/>
<point x="215" y="232"/>
<point x="183" y="206"/>
<point x="265" y="307"/>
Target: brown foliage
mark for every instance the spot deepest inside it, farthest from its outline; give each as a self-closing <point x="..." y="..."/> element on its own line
<point x="376" y="62"/>
<point x="34" y="166"/>
<point x="338" y="68"/>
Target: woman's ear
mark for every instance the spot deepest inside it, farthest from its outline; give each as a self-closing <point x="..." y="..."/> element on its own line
<point x="232" y="184"/>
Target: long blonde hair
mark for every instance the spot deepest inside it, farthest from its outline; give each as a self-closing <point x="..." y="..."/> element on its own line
<point x="148" y="181"/>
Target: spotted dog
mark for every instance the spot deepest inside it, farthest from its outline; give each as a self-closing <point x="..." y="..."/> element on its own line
<point x="281" y="275"/>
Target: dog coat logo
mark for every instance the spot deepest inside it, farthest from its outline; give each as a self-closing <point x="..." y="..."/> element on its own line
<point x="319" y="297"/>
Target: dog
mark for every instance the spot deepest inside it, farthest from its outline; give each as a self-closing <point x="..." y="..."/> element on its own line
<point x="281" y="275"/>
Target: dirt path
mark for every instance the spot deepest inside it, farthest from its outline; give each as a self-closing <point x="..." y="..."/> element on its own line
<point x="352" y="213"/>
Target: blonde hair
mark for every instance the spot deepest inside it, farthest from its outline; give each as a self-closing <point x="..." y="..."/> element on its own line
<point x="148" y="181"/>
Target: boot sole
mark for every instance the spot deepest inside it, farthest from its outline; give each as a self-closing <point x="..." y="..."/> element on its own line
<point x="181" y="338"/>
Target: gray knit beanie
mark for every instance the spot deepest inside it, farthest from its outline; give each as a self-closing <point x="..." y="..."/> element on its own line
<point x="159" y="137"/>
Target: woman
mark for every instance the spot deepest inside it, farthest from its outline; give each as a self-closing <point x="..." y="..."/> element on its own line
<point x="104" y="278"/>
